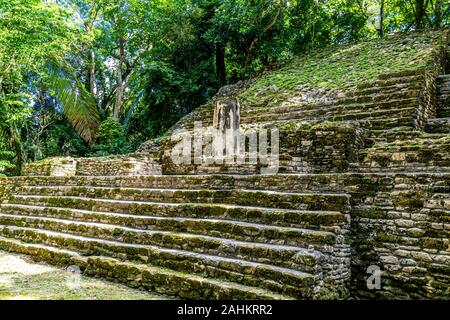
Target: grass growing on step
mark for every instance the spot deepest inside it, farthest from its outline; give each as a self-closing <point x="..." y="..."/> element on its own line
<point x="342" y="66"/>
<point x="424" y="140"/>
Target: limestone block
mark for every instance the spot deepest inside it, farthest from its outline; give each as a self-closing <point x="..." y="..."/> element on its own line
<point x="123" y="165"/>
<point x="134" y="164"/>
<point x="54" y="167"/>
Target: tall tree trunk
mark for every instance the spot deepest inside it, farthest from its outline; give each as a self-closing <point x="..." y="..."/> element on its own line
<point x="267" y="28"/>
<point x="419" y="14"/>
<point x="120" y="84"/>
<point x="91" y="72"/>
<point x="220" y="64"/>
<point x="90" y="79"/>
<point x="438" y="12"/>
<point x="313" y="27"/>
<point x="16" y="144"/>
<point x="380" y="26"/>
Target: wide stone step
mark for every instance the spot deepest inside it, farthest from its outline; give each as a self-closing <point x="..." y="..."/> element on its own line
<point x="413" y="78"/>
<point x="370" y="123"/>
<point x="338" y="116"/>
<point x="281" y="217"/>
<point x="398" y="108"/>
<point x="407" y="85"/>
<point x="425" y="143"/>
<point x="394" y="134"/>
<point x="408" y="161"/>
<point x="342" y="115"/>
<point x="225" y="168"/>
<point x="364" y="99"/>
<point x="389" y="123"/>
<point x="411" y="168"/>
<point x="328" y="183"/>
<point x="283" y="256"/>
<point x="432" y="141"/>
<point x="241" y="197"/>
<point x="296" y="283"/>
<point x="231" y="229"/>
<point x="351" y="105"/>
<point x="157" y="279"/>
<point x="385" y="136"/>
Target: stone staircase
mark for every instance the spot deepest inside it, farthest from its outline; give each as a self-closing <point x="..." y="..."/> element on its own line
<point x="427" y="150"/>
<point x="393" y="107"/>
<point x="444" y="96"/>
<point x="260" y="244"/>
<point x="363" y="181"/>
<point x="392" y="96"/>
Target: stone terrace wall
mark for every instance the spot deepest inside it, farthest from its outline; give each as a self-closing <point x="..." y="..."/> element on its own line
<point x="305" y="147"/>
<point x="321" y="148"/>
<point x="55" y="167"/>
<point x="401" y="224"/>
<point x="131" y="164"/>
<point x="444" y="94"/>
<point x="134" y="164"/>
<point x="399" y="221"/>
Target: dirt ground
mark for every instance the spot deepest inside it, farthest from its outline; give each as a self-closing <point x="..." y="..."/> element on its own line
<point x="23" y="279"/>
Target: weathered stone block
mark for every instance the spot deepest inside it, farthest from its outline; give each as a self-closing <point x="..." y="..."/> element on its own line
<point x="54" y="167"/>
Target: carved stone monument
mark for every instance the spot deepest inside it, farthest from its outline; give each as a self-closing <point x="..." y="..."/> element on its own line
<point x="226" y="115"/>
<point x="226" y="123"/>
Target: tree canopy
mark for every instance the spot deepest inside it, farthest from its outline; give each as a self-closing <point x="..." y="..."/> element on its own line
<point x="98" y="77"/>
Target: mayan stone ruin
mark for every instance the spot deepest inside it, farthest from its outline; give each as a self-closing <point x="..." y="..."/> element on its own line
<point x="362" y="185"/>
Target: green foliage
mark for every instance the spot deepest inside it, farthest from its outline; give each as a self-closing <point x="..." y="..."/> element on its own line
<point x="5" y="161"/>
<point x="80" y="107"/>
<point x="110" y="131"/>
<point x="67" y="65"/>
<point x="32" y="33"/>
<point x="401" y="14"/>
<point x="53" y="138"/>
<point x="334" y="67"/>
<point x="13" y="112"/>
<point x="110" y="139"/>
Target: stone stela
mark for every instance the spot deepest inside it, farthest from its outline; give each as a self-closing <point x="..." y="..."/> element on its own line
<point x="226" y="121"/>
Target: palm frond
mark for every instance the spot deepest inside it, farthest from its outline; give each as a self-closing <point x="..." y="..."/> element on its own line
<point x="78" y="104"/>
